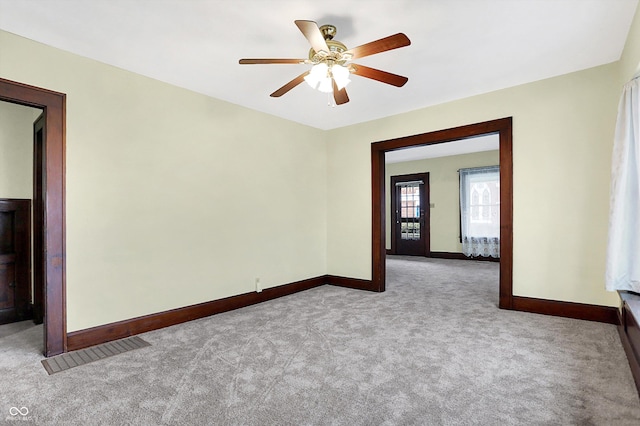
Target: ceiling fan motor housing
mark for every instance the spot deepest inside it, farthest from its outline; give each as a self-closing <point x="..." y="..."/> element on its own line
<point x="328" y="31"/>
<point x="336" y="48"/>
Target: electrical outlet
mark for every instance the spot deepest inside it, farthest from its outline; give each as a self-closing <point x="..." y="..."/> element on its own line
<point x="258" y="285"/>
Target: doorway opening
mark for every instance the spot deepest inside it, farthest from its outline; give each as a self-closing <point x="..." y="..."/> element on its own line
<point x="501" y="127"/>
<point x="53" y="105"/>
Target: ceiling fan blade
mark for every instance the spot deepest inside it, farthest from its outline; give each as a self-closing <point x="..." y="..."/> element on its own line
<point x="378" y="75"/>
<point x="388" y="43"/>
<point x="312" y="33"/>
<point x="271" y="61"/>
<point x="290" y="85"/>
<point x="340" y="96"/>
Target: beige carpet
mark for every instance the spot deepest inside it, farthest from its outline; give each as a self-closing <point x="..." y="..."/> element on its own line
<point x="432" y="350"/>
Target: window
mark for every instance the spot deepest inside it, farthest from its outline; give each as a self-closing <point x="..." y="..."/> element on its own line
<point x="480" y="211"/>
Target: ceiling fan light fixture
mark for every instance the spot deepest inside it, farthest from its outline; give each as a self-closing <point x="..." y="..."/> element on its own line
<point x="325" y="85"/>
<point x="340" y="75"/>
<point x="320" y="75"/>
<point x="317" y="75"/>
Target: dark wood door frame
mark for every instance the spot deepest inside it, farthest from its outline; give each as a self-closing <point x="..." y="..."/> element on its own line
<point x="425" y="213"/>
<point x="38" y="219"/>
<point x="54" y="106"/>
<point x="504" y="128"/>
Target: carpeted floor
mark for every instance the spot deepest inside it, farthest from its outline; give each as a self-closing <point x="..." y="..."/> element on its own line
<point x="432" y="350"/>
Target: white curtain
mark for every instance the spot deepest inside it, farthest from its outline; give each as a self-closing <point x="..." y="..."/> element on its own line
<point x="623" y="248"/>
<point x="480" y="211"/>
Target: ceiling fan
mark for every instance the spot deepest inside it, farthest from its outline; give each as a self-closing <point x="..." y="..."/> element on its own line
<point x="332" y="64"/>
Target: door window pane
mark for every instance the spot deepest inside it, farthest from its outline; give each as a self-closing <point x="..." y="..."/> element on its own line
<point x="410" y="211"/>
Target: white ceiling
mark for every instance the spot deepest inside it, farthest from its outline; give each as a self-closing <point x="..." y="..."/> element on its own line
<point x="459" y="48"/>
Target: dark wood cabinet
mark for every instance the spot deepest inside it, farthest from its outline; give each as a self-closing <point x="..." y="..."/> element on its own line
<point x="15" y="260"/>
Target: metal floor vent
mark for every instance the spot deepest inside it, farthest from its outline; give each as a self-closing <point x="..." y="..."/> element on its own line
<point x="73" y="359"/>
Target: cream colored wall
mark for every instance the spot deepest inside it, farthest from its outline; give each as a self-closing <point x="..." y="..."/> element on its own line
<point x="16" y="150"/>
<point x="562" y="138"/>
<point x="444" y="194"/>
<point x="630" y="60"/>
<point x="174" y="198"/>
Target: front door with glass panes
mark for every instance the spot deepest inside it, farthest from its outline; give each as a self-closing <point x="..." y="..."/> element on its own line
<point x="410" y="214"/>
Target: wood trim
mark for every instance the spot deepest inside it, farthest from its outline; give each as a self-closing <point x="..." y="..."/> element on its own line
<point x="461" y="256"/>
<point x="630" y="334"/>
<point x="104" y="333"/>
<point x="506" y="213"/>
<point x="504" y="128"/>
<point x="5" y="258"/>
<point x="634" y="363"/>
<point x="38" y="209"/>
<point x="54" y="106"/>
<point x="378" y="218"/>
<point x="118" y="330"/>
<point x="355" y="283"/>
<point x="448" y="255"/>
<point x="581" y="311"/>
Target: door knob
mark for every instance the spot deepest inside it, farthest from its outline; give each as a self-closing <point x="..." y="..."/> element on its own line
<point x="12" y="284"/>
